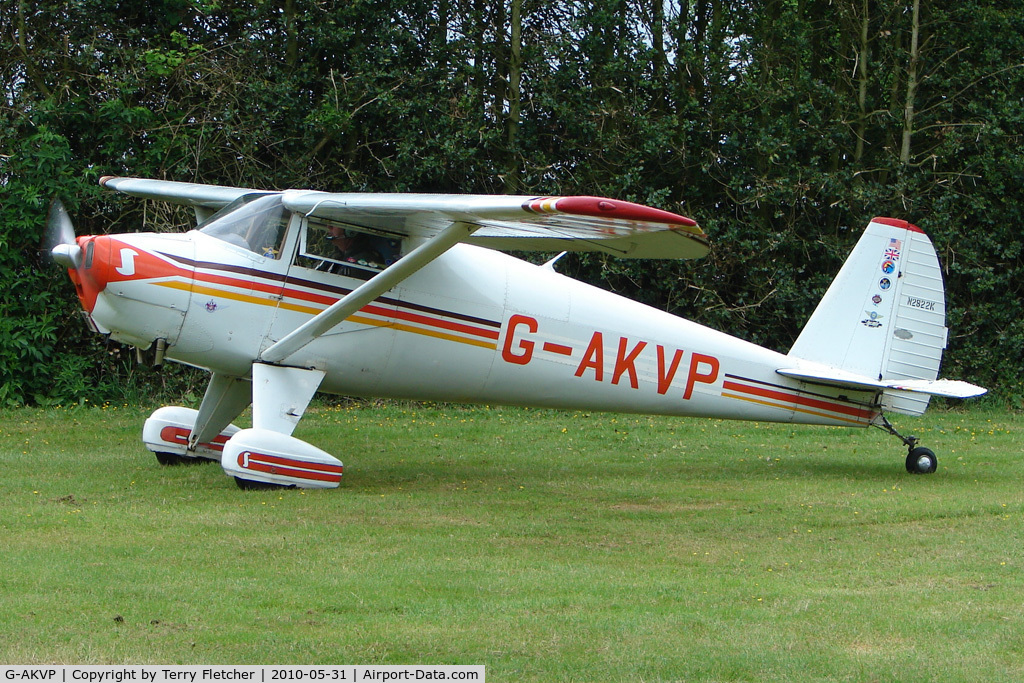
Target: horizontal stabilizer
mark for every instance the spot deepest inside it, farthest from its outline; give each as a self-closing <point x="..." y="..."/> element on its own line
<point x="840" y="378"/>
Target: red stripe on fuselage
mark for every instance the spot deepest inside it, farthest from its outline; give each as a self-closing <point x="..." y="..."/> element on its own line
<point x="251" y="273"/>
<point x="781" y="394"/>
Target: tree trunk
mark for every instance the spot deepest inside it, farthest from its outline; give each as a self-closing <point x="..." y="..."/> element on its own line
<point x="912" y="83"/>
<point x="30" y="68"/>
<point x="515" y="75"/>
<point x="658" y="37"/>
<point x="291" y="34"/>
<point x="862" y="82"/>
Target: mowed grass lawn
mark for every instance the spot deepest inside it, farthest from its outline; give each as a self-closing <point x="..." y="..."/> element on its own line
<point x="548" y="546"/>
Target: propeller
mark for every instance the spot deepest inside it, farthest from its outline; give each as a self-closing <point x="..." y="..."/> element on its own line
<point x="59" y="238"/>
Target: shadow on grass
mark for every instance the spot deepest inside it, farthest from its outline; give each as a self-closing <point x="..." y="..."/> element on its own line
<point x="504" y="469"/>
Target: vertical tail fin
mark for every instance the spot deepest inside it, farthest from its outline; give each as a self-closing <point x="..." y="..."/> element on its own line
<point x="884" y="316"/>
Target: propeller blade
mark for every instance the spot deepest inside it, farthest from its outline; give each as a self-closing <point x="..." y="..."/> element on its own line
<point x="59" y="239"/>
<point x="59" y="229"/>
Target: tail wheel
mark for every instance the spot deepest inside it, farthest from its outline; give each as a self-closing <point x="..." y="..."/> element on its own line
<point x="921" y="460"/>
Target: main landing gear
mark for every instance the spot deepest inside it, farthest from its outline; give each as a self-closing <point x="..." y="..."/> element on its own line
<point x="920" y="460"/>
<point x="265" y="456"/>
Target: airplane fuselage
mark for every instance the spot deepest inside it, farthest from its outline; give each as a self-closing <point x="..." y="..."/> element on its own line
<point x="474" y="325"/>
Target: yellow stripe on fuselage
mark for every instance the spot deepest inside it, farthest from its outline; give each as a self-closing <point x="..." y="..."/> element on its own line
<point x="794" y="409"/>
<point x="260" y="301"/>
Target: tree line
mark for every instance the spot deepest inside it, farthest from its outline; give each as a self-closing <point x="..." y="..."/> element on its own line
<point x="782" y="126"/>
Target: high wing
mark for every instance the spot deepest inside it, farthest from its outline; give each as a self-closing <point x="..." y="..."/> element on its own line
<point x="518" y="223"/>
<point x="434" y="223"/>
<point x="522" y="223"/>
<point x="190" y="194"/>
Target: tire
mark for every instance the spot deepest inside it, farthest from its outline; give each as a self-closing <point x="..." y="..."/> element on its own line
<point x="173" y="459"/>
<point x="250" y="485"/>
<point x="922" y="460"/>
<point x="169" y="459"/>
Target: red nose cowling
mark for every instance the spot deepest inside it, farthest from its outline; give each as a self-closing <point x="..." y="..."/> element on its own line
<point x="91" y="277"/>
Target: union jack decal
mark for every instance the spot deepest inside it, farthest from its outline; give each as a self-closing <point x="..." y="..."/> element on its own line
<point x="893" y="250"/>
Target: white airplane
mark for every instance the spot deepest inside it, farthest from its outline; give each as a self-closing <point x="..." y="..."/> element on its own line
<point x="282" y="294"/>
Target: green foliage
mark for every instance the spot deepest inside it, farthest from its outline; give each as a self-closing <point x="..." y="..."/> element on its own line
<point x="783" y="127"/>
<point x="31" y="307"/>
<point x="165" y="62"/>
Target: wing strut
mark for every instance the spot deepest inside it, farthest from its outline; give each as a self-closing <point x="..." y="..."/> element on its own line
<point x="367" y="292"/>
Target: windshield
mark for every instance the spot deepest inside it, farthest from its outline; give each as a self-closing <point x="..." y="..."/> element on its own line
<point x="254" y="223"/>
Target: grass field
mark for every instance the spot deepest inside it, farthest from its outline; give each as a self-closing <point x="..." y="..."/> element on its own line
<point x="547" y="546"/>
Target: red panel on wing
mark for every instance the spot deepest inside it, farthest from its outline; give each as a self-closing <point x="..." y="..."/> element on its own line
<point x="609" y="208"/>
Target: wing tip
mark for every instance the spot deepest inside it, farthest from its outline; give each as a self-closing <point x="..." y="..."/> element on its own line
<point x="602" y="207"/>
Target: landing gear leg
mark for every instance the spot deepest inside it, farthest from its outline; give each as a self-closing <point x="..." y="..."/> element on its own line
<point x="268" y="456"/>
<point x="920" y="460"/>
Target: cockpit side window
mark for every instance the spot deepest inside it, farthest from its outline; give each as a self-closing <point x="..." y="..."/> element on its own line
<point x="332" y="247"/>
<point x="258" y="224"/>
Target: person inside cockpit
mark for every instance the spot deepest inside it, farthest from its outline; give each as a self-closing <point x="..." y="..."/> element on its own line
<point x="353" y="247"/>
<point x="357" y="247"/>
